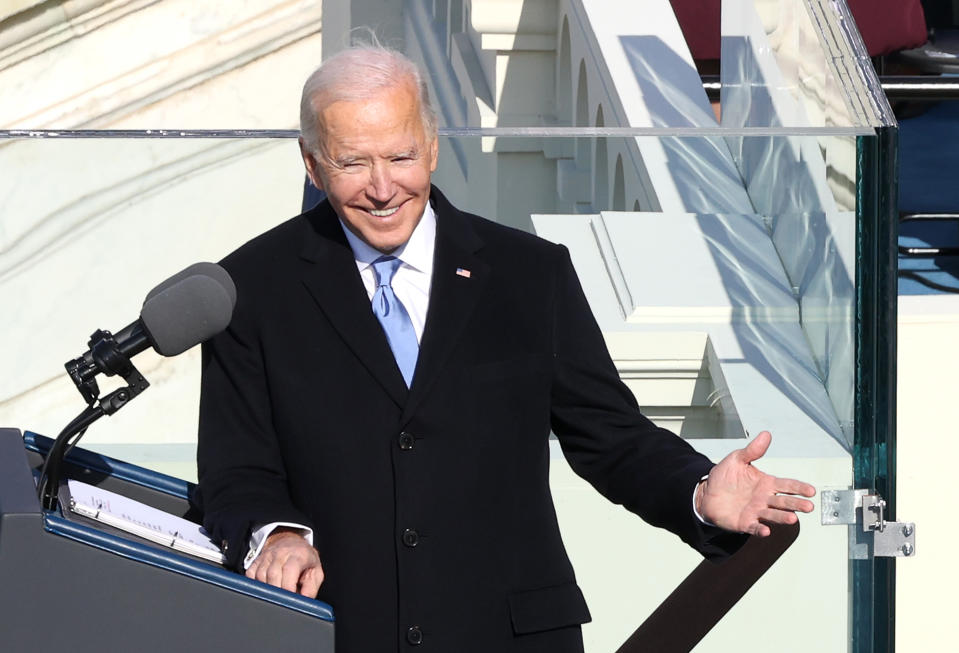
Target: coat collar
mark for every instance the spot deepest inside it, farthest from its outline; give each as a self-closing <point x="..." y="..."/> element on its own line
<point x="459" y="277"/>
<point x="329" y="272"/>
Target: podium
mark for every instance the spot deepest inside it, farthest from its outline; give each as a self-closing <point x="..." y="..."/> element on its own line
<point x="70" y="583"/>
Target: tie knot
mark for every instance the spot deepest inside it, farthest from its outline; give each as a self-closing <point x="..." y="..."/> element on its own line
<point x="384" y="268"/>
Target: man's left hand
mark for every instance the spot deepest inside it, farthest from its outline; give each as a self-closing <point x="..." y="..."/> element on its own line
<point x="738" y="497"/>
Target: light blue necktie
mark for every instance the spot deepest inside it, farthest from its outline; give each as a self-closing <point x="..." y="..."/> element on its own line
<point x="393" y="316"/>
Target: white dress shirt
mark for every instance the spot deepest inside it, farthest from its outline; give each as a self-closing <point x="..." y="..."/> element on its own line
<point x="412" y="281"/>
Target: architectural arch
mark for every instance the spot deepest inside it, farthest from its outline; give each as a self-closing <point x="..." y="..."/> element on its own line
<point x="601" y="167"/>
<point x="619" y="185"/>
<point x="564" y="77"/>
<point x="583" y="145"/>
<point x="441" y="12"/>
<point x="456" y="16"/>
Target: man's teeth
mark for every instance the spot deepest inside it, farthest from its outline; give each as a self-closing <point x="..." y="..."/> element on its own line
<point x="385" y="212"/>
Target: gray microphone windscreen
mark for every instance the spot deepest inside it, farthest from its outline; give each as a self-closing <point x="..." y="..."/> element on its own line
<point x="188" y="308"/>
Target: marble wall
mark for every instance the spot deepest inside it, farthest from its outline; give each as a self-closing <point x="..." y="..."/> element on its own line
<point x="89" y="226"/>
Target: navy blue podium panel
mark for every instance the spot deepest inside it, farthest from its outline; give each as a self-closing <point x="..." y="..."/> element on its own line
<point x="68" y="583"/>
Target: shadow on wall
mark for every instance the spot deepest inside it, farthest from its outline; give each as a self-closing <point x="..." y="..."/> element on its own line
<point x="789" y="183"/>
<point x="766" y="338"/>
<point x="785" y="179"/>
<point x="703" y="171"/>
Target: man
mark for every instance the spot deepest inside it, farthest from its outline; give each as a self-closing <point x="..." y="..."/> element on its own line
<point x="388" y="386"/>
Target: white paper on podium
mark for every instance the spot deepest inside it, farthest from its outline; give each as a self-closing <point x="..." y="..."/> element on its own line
<point x="142" y="520"/>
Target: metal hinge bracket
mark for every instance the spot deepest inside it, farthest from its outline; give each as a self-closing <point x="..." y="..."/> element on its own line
<point x="870" y="535"/>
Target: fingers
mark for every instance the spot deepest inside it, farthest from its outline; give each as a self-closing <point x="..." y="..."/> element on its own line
<point x="251" y="570"/>
<point x="778" y="509"/>
<point x="757" y="448"/>
<point x="792" y="486"/>
<point x="310" y="582"/>
<point x="289" y="563"/>
<point x="793" y="504"/>
<point x="759" y="530"/>
<point x="290" y="575"/>
<point x="773" y="516"/>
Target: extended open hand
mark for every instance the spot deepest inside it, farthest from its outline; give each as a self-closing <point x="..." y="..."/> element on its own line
<point x="738" y="497"/>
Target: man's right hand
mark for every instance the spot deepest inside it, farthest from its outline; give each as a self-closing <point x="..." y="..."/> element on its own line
<point x="288" y="561"/>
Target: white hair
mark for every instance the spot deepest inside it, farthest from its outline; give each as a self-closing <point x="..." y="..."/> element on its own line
<point x="359" y="73"/>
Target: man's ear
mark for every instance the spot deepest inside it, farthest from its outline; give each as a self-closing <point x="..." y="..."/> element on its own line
<point x="312" y="165"/>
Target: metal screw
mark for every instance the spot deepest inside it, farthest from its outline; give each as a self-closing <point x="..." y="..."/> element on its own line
<point x="835" y="513"/>
<point x="907" y="530"/>
<point x="907" y="549"/>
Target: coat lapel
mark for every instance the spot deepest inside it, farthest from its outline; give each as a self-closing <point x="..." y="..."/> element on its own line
<point x="459" y="277"/>
<point x="329" y="273"/>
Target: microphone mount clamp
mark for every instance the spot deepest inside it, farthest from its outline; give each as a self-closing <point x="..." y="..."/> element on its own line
<point x="104" y="357"/>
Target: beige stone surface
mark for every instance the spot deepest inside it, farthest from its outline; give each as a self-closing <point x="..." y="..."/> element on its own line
<point x="88" y="226"/>
<point x="927" y="454"/>
<point x="10" y="7"/>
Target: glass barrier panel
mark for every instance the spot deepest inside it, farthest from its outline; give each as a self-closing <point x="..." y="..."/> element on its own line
<point x="735" y="254"/>
<point x="716" y="333"/>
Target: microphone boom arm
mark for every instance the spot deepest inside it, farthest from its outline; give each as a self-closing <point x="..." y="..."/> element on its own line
<point x="104" y="356"/>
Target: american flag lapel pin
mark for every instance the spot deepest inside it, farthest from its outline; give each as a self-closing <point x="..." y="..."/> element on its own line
<point x="463" y="272"/>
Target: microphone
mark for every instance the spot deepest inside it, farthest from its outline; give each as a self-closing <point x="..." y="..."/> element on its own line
<point x="185" y="310"/>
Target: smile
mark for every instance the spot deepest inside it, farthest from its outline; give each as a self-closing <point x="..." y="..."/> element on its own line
<point x="384" y="213"/>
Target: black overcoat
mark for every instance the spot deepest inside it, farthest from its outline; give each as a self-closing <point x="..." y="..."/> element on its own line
<point x="431" y="506"/>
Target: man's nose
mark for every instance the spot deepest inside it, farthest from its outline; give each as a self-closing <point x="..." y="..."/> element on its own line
<point x="381" y="184"/>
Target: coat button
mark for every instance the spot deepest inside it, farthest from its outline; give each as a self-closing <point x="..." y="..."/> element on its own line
<point x="406" y="441"/>
<point x="411" y="538"/>
<point x="414" y="635"/>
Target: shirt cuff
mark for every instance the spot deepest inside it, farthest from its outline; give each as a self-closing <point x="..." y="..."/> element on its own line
<point x="696" y="512"/>
<point x="259" y="535"/>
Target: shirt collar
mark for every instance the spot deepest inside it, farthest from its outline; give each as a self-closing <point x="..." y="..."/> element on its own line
<point x="417" y="252"/>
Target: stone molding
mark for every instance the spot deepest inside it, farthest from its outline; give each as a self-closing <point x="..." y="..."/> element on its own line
<point x="222" y="46"/>
<point x="40" y="27"/>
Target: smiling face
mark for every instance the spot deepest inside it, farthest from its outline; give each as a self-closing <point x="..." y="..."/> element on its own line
<point x="374" y="163"/>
